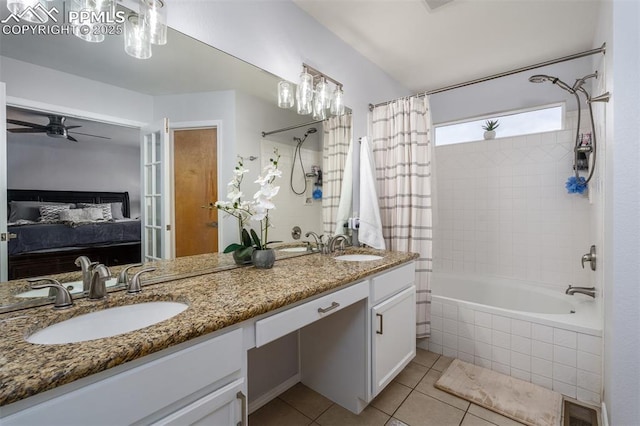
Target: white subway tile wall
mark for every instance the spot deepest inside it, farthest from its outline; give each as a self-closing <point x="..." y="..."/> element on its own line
<point x="503" y="210"/>
<point x="552" y="357"/>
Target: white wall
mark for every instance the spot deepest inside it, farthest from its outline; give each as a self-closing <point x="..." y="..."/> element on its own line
<point x="620" y="22"/>
<point x="503" y="210"/>
<point x="70" y="93"/>
<point x="278" y="37"/>
<point x="47" y="163"/>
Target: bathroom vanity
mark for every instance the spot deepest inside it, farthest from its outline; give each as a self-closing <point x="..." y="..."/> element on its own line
<point x="355" y="322"/>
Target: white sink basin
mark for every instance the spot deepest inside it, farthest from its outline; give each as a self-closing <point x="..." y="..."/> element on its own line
<point x="293" y="249"/>
<point x="358" y="257"/>
<point x="76" y="287"/>
<point x="107" y="323"/>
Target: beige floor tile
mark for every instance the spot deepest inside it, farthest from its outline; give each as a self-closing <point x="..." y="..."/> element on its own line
<point x="278" y="413"/>
<point x="391" y="397"/>
<point x="471" y="420"/>
<point x="491" y="416"/>
<point x="425" y="358"/>
<point x="442" y="363"/>
<point x="338" y="416"/>
<point x="395" y="422"/>
<point x="411" y="375"/>
<point x="308" y="402"/>
<point x="426" y="386"/>
<point x="422" y="410"/>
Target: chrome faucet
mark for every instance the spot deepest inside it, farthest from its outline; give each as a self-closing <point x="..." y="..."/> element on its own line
<point x="135" y="286"/>
<point x="331" y="245"/>
<point x="589" y="291"/>
<point x="86" y="266"/>
<point x="98" y="287"/>
<point x="123" y="276"/>
<point x="63" y="298"/>
<point x="318" y="240"/>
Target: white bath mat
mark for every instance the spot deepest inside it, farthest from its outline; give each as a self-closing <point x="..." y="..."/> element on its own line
<point x="519" y="400"/>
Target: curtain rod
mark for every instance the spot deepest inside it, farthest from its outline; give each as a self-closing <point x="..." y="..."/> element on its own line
<point x="284" y="129"/>
<point x="602" y="49"/>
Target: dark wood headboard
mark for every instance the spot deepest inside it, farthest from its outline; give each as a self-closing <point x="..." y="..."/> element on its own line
<point x="71" y="197"/>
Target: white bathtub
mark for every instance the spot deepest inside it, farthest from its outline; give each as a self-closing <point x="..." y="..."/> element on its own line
<point x="536" y="334"/>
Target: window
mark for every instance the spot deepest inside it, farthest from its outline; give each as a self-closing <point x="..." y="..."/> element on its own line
<point x="545" y="119"/>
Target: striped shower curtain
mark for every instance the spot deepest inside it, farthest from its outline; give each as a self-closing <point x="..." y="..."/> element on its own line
<point x="337" y="136"/>
<point x="401" y="138"/>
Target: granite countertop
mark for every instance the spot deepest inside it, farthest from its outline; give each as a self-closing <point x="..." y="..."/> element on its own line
<point x="165" y="270"/>
<point x="215" y="300"/>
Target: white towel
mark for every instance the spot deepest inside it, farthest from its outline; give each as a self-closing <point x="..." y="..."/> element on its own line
<point x="346" y="193"/>
<point x="370" y="232"/>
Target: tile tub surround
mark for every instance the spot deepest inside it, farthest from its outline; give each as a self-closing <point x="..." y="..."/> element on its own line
<point x="552" y="356"/>
<point x="503" y="210"/>
<point x="182" y="267"/>
<point x="215" y="301"/>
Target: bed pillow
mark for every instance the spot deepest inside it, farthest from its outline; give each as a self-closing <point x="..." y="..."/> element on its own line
<point x="51" y="213"/>
<point x="106" y="209"/>
<point x="30" y="210"/>
<point x="116" y="211"/>
<point x="88" y="214"/>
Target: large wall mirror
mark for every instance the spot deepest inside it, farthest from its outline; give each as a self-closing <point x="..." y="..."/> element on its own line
<point x="107" y="99"/>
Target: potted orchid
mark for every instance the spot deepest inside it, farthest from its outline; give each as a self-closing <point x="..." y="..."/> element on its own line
<point x="255" y="210"/>
<point x="264" y="257"/>
<point x="241" y="210"/>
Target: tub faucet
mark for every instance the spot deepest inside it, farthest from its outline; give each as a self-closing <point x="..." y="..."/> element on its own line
<point x="86" y="266"/>
<point x="98" y="286"/>
<point x="589" y="291"/>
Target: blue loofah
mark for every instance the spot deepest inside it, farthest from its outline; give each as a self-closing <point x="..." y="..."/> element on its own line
<point x="576" y="186"/>
<point x="317" y="194"/>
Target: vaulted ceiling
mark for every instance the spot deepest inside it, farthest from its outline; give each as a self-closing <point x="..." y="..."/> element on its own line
<point x="427" y="44"/>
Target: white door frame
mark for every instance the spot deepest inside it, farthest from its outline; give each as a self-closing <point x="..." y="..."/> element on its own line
<point x="4" y="245"/>
<point x="193" y="125"/>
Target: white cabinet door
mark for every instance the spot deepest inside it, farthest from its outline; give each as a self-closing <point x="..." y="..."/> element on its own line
<point x="226" y="406"/>
<point x="393" y="337"/>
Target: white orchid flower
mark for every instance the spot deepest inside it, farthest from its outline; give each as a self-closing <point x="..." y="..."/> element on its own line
<point x="267" y="191"/>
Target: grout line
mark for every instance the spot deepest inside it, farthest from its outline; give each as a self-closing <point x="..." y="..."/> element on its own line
<point x="327" y="409"/>
<point x="286" y="403"/>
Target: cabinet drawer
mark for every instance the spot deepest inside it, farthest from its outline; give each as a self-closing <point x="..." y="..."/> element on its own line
<point x="391" y="282"/>
<point x="278" y="325"/>
<point x="131" y="395"/>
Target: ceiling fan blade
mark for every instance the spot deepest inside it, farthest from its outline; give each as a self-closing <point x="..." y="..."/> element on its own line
<point x="72" y="139"/>
<point x="71" y="127"/>
<point x="26" y="130"/>
<point x="86" y="134"/>
<point x="24" y="123"/>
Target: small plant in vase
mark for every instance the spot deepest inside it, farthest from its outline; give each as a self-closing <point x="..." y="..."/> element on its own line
<point x="490" y="127"/>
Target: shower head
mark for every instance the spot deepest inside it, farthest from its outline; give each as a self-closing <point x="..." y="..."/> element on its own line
<point x="310" y="131"/>
<point x="541" y="78"/>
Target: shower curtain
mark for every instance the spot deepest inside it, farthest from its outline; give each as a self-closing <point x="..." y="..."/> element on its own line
<point x="401" y="138"/>
<point x="336" y="140"/>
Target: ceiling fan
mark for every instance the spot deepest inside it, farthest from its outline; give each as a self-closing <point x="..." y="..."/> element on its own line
<point x="55" y="129"/>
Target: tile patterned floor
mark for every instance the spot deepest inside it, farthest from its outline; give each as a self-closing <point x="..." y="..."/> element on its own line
<point x="410" y="400"/>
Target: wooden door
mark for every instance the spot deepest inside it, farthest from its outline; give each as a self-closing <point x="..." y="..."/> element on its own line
<point x="195" y="185"/>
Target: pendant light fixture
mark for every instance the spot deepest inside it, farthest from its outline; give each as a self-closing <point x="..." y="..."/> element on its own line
<point x="157" y="17"/>
<point x="81" y="21"/>
<point x="313" y="94"/>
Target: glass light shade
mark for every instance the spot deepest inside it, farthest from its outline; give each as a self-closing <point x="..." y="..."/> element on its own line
<point x="81" y="22"/>
<point x="323" y="94"/>
<point x="137" y="40"/>
<point x="337" y="102"/>
<point x="304" y="94"/>
<point x="35" y="14"/>
<point x="156" y="15"/>
<point x="285" y="94"/>
<point x="319" y="109"/>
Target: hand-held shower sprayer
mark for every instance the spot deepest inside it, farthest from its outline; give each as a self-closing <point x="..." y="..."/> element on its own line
<point x="578" y="184"/>
<point x="297" y="153"/>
